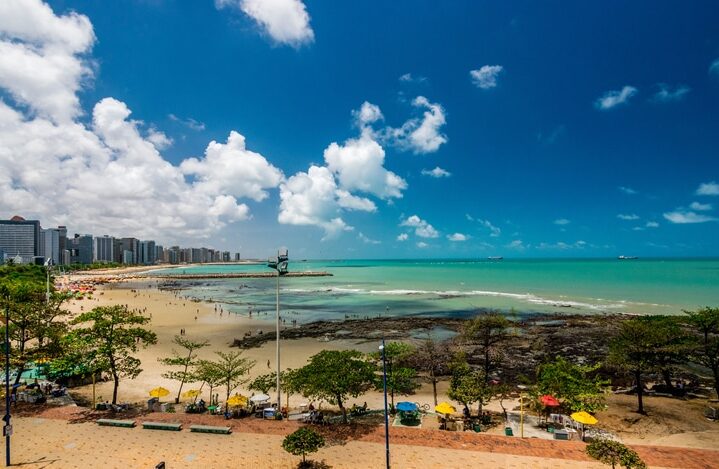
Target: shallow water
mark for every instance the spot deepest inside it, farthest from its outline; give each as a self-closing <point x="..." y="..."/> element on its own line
<point x="360" y="288"/>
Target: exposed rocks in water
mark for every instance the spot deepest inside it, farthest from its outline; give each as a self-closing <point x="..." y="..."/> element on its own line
<point x="532" y="339"/>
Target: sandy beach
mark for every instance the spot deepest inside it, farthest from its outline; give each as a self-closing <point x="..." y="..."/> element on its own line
<point x="68" y="437"/>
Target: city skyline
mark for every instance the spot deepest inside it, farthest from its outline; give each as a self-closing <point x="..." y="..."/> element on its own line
<point x="367" y="130"/>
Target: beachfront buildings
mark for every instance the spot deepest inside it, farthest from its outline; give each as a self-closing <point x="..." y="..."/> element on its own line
<point x="25" y="241"/>
<point x="19" y="239"/>
<point x="102" y="248"/>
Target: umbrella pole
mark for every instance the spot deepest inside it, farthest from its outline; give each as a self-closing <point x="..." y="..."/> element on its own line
<point x="521" y="416"/>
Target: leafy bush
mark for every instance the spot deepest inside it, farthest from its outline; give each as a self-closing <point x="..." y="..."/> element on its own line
<point x="613" y="452"/>
<point x="303" y="441"/>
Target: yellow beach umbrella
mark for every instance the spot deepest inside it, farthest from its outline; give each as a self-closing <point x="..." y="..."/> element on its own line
<point x="584" y="418"/>
<point x="192" y="393"/>
<point x="159" y="392"/>
<point x="445" y="408"/>
<point x="237" y="400"/>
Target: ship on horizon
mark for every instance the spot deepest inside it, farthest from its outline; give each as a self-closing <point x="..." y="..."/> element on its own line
<point x="626" y="258"/>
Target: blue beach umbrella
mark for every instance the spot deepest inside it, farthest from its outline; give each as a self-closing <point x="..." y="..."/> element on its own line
<point x="406" y="406"/>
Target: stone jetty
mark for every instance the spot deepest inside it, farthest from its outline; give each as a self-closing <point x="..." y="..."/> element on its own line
<point x="241" y="275"/>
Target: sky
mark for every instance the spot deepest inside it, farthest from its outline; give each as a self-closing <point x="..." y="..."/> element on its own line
<point x="403" y="129"/>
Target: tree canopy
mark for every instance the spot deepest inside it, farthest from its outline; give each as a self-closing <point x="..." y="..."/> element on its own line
<point x="705" y="352"/>
<point x="229" y="370"/>
<point x="487" y="331"/>
<point x="185" y="360"/>
<point x="303" y="441"/>
<point x="111" y="336"/>
<point x="578" y="386"/>
<point x="612" y="453"/>
<point x="335" y="376"/>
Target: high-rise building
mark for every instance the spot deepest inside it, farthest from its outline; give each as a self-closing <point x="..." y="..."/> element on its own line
<point x="62" y="230"/>
<point x="147" y="253"/>
<point x="102" y="248"/>
<point x="237" y="257"/>
<point x="50" y="245"/>
<point x="80" y="248"/>
<point x="20" y="238"/>
<point x="132" y="245"/>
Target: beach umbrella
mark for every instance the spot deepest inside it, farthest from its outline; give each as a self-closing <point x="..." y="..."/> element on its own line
<point x="259" y="398"/>
<point x="549" y="401"/>
<point x="584" y="418"/>
<point x="191" y="394"/>
<point x="159" y="392"/>
<point x="237" y="400"/>
<point x="445" y="408"/>
<point x="406" y="406"/>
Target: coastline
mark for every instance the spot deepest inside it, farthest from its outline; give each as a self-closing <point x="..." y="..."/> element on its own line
<point x="170" y="312"/>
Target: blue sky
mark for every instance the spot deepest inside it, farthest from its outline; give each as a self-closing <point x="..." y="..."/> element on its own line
<point x="563" y="129"/>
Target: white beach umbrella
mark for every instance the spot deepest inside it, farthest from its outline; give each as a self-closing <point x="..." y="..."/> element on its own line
<point x="259" y="398"/>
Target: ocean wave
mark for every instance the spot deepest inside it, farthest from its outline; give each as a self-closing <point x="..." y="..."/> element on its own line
<point x="526" y="297"/>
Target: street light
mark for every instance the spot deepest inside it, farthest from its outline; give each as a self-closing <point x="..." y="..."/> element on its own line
<point x="7" y="428"/>
<point x="280" y="265"/>
<point x="386" y="415"/>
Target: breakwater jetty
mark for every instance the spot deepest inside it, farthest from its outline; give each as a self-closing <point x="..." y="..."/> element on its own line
<point x="240" y="275"/>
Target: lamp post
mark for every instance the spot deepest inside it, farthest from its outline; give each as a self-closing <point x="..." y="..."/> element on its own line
<point x="280" y="265"/>
<point x="386" y="415"/>
<point x="7" y="428"/>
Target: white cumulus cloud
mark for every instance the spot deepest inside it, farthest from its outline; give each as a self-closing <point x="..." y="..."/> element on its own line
<point x="685" y="216"/>
<point x="700" y="207"/>
<point x="612" y="99"/>
<point x="402" y="237"/>
<point x="629" y="216"/>
<point x="359" y="166"/>
<point x="421" y="227"/>
<point x="108" y="175"/>
<point x="708" y="188"/>
<point x="41" y="54"/>
<point x="561" y="221"/>
<point x="627" y="190"/>
<point x="311" y="199"/>
<point x="436" y="172"/>
<point x="422" y="245"/>
<point x="285" y="21"/>
<point x="667" y="94"/>
<point x="486" y="77"/>
<point x="457" y="237"/>
<point x="423" y="135"/>
<point x="230" y="168"/>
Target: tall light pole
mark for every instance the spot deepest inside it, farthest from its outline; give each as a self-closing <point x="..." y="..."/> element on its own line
<point x="7" y="428"/>
<point x="386" y="415"/>
<point x="280" y="265"/>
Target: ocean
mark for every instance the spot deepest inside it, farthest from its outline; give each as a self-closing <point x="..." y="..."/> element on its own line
<point x="370" y="288"/>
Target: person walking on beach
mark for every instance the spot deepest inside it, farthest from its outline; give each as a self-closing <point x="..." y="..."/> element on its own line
<point x="268" y="364"/>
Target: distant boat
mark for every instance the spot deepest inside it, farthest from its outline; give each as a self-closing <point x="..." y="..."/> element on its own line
<point x="495" y="258"/>
<point x="626" y="258"/>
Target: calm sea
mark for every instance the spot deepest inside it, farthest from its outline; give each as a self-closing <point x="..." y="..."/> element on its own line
<point x="457" y="287"/>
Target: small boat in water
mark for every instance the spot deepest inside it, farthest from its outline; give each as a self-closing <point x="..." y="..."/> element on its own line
<point x="627" y="258"/>
<point x="495" y="258"/>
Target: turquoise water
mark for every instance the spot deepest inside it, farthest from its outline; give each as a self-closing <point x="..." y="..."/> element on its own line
<point x="456" y="287"/>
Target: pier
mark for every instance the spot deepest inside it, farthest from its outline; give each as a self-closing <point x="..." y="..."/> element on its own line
<point x="240" y="275"/>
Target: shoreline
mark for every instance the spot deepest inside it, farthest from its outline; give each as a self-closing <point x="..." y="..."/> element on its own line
<point x="170" y="311"/>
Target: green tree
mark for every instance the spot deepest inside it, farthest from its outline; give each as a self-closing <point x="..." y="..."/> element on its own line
<point x="578" y="386"/>
<point x="231" y="368"/>
<point x="401" y="379"/>
<point x="113" y="334"/>
<point x="432" y="358"/>
<point x="335" y="375"/>
<point x="37" y="323"/>
<point x="705" y="323"/>
<point x="186" y="360"/>
<point x="468" y="386"/>
<point x="612" y="453"/>
<point x="267" y="382"/>
<point x="646" y="344"/>
<point x="488" y="331"/>
<point x="302" y="442"/>
<point x="206" y="372"/>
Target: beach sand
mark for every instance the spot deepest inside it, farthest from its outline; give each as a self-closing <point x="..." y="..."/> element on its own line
<point x="676" y="422"/>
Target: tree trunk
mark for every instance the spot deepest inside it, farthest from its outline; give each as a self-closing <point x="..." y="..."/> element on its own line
<point x="115" y="386"/>
<point x="434" y="389"/>
<point x="640" y="390"/>
<point x="715" y="371"/>
<point x="667" y="376"/>
<point x="342" y="409"/>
